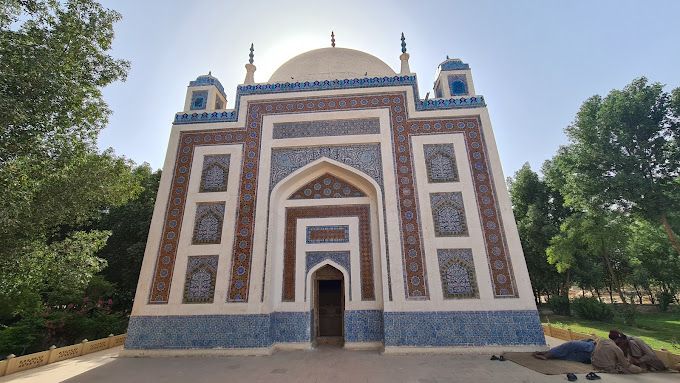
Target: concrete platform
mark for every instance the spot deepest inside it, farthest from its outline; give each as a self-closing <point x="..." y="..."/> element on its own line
<point x="326" y="364"/>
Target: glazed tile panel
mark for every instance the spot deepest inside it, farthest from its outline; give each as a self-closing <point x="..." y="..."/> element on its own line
<point x="463" y="328"/>
<point x="402" y="128"/>
<point x="208" y="225"/>
<point x="440" y="163"/>
<point x="365" y="252"/>
<point x="199" y="286"/>
<point x="327" y="186"/>
<point x="215" y="173"/>
<point x="327" y="234"/>
<point x="448" y="214"/>
<point x="326" y="128"/>
<point x="457" y="271"/>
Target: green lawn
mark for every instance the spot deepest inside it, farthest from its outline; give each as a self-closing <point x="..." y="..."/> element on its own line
<point x="659" y="330"/>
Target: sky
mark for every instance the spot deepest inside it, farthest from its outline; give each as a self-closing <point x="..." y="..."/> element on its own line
<point x="534" y="62"/>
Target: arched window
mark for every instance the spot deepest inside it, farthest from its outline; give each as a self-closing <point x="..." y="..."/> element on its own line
<point x="458" y="85"/>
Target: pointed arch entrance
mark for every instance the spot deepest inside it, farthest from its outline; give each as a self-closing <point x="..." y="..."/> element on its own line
<point x="325" y="207"/>
<point x="328" y="310"/>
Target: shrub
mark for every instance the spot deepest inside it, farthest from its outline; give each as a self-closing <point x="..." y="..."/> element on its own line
<point x="591" y="308"/>
<point x="559" y="305"/>
<point x="628" y="312"/>
<point x="665" y="299"/>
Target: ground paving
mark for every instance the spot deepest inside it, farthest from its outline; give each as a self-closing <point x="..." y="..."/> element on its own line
<point x="326" y="364"/>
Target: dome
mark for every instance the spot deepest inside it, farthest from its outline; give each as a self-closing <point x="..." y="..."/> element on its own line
<point x="331" y="64"/>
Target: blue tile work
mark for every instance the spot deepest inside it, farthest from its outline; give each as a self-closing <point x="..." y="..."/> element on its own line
<point x="463" y="328"/>
<point x="288" y="327"/>
<point x="423" y="329"/>
<point x="199" y="100"/>
<point x="364" y="157"/>
<point x="458" y="85"/>
<point x="317" y="234"/>
<point x="217" y="331"/>
<point x="208" y="80"/>
<point x="326" y="128"/>
<point x="198" y="331"/>
<point x="363" y="326"/>
<point x="453" y="64"/>
<point x="316" y="257"/>
<point x="409" y="80"/>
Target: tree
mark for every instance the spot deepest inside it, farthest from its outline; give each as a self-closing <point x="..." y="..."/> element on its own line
<point x="129" y="223"/>
<point x="624" y="154"/>
<point x="538" y="212"/>
<point x="591" y="245"/>
<point x="54" y="61"/>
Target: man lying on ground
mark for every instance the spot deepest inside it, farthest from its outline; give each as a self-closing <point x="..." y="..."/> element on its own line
<point x="604" y="354"/>
<point x="575" y="350"/>
<point x="638" y="352"/>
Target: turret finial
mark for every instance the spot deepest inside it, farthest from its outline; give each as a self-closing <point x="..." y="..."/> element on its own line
<point x="332" y="39"/>
<point x="209" y="73"/>
<point x="251" y="55"/>
<point x="447" y="57"/>
<point x="403" y="43"/>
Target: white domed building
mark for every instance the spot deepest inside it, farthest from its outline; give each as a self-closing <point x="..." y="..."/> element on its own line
<point x="332" y="205"/>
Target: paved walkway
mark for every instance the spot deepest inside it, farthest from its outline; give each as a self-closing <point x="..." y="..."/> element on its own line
<point x="320" y="365"/>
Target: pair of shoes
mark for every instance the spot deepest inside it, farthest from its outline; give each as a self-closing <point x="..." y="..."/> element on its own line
<point x="500" y="358"/>
<point x="571" y="377"/>
<point x="592" y="376"/>
<point x="494" y="357"/>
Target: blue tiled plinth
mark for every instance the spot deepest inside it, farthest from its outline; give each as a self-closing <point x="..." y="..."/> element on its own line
<point x="463" y="328"/>
<point x="420" y="329"/>
<point x="363" y="326"/>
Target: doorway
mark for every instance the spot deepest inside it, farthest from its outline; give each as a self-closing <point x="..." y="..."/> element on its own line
<point x="329" y="306"/>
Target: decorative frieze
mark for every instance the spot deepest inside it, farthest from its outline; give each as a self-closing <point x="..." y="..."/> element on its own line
<point x="327" y="234"/>
<point x="326" y="128"/>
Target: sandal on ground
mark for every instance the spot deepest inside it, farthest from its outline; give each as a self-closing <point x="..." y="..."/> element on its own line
<point x="571" y="377"/>
<point x="501" y="358"/>
<point x="592" y="376"/>
<point x="494" y="357"/>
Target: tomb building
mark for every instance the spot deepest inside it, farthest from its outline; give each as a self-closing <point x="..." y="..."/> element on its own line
<point x="332" y="204"/>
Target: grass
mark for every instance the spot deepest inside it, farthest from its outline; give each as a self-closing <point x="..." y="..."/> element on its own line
<point x="659" y="330"/>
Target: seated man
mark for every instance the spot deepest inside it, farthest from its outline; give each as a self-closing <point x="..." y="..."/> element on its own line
<point x="638" y="352"/>
<point x="608" y="357"/>
<point x="575" y="350"/>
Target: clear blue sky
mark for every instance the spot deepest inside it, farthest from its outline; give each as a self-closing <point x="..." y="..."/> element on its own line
<point x="535" y="62"/>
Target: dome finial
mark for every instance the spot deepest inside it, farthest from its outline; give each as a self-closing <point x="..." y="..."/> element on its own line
<point x="332" y="39"/>
<point x="250" y="68"/>
<point x="405" y="69"/>
<point x="209" y="73"/>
